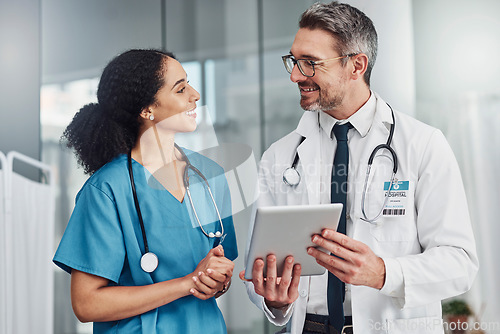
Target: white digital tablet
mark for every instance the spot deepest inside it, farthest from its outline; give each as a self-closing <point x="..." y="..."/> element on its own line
<point x="287" y="230"/>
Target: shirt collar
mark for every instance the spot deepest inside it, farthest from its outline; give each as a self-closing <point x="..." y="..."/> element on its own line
<point x="361" y="120"/>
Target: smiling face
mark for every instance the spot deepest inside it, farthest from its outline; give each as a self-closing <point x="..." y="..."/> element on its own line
<point x="326" y="90"/>
<point x="175" y="101"/>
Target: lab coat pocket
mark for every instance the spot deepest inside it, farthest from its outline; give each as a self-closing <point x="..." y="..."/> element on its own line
<point x="425" y="325"/>
<point x="393" y="230"/>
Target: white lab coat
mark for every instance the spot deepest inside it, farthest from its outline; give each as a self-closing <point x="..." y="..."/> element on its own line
<point x="431" y="249"/>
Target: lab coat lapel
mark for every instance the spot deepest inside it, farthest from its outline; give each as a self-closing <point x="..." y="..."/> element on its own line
<point x="309" y="155"/>
<point x="383" y="117"/>
<point x="377" y="134"/>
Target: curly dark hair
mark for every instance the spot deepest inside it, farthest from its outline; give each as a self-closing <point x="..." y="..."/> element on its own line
<point x="101" y="131"/>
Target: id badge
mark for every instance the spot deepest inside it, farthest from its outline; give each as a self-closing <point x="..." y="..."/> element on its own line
<point x="398" y="197"/>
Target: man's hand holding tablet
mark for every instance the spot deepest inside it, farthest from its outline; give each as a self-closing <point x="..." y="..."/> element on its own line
<point x="277" y="253"/>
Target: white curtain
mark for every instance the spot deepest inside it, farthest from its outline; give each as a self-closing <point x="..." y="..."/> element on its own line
<point x="472" y="126"/>
<point x="28" y="242"/>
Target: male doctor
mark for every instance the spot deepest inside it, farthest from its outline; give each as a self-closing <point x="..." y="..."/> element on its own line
<point x="405" y="243"/>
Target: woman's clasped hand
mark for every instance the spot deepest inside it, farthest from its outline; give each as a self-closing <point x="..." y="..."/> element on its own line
<point x="212" y="275"/>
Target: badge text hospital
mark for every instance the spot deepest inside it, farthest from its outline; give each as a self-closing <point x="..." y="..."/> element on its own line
<point x="396" y="204"/>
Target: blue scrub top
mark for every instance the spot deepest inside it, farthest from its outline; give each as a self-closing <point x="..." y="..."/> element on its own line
<point x="104" y="238"/>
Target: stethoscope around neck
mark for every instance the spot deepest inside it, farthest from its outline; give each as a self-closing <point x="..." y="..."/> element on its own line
<point x="292" y="178"/>
<point x="149" y="260"/>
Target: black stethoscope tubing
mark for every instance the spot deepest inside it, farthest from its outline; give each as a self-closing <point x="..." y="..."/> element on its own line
<point x="291" y="176"/>
<point x="149" y="260"/>
<point x="136" y="203"/>
<point x="370" y="159"/>
<point x="387" y="146"/>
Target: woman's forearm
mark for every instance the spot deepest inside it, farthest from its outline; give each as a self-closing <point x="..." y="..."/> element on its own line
<point x="93" y="300"/>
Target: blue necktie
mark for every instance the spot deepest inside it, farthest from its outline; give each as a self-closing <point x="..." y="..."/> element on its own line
<point x="336" y="288"/>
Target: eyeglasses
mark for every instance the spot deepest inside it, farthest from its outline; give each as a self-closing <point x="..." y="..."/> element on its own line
<point x="306" y="66"/>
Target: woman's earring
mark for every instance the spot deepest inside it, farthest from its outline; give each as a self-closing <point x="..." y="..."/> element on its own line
<point x="151" y="117"/>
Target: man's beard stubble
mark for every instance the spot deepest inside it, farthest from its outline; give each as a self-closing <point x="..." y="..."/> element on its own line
<point x="322" y="103"/>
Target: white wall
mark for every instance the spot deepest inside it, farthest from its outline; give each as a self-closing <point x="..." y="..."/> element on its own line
<point x="458" y="78"/>
<point x="457" y="47"/>
<point x="80" y="37"/>
<point x="393" y="75"/>
<point x="20" y="77"/>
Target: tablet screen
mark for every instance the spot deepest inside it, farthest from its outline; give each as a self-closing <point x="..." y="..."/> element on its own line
<point x="287" y="230"/>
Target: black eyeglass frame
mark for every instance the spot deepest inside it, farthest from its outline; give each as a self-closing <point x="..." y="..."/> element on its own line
<point x="310" y="62"/>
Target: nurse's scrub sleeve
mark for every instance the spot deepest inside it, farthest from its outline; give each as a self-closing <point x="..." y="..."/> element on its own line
<point x="93" y="240"/>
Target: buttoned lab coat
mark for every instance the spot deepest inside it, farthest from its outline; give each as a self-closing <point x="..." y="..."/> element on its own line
<point x="429" y="253"/>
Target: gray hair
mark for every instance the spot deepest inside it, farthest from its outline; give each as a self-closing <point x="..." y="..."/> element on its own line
<point x="352" y="29"/>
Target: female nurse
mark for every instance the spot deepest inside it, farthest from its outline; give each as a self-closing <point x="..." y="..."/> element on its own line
<point x="127" y="138"/>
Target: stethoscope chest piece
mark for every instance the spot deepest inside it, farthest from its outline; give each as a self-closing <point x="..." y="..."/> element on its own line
<point x="149" y="262"/>
<point x="291" y="177"/>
